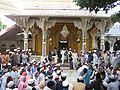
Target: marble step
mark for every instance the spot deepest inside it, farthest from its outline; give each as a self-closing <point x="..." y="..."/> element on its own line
<point x="64" y="65"/>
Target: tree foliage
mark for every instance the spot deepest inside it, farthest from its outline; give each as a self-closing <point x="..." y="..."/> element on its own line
<point x="2" y="26"/>
<point x="115" y="17"/>
<point x="97" y="5"/>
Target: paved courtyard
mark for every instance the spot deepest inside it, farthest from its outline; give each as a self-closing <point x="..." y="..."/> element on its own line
<point x="71" y="75"/>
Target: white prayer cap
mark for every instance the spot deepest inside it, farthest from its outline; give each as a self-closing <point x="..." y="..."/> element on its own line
<point x="96" y="73"/>
<point x="10" y="84"/>
<point x="40" y="66"/>
<point x="23" y="50"/>
<point x="70" y="49"/>
<point x="29" y="49"/>
<point x="65" y="83"/>
<point x="56" y="77"/>
<point x="41" y="69"/>
<point x="89" y="51"/>
<point x="55" y="68"/>
<point x="31" y="81"/>
<point x="9" y="63"/>
<point x="7" y="50"/>
<point x="10" y="52"/>
<point x="26" y="50"/>
<point x="82" y="53"/>
<point x="80" y="78"/>
<point x="112" y="77"/>
<point x="47" y="64"/>
<point x="58" y="71"/>
<point x="18" y="48"/>
<point x="33" y="61"/>
<point x="63" y="75"/>
<point x="46" y="77"/>
<point x="15" y="50"/>
<point x="4" y="64"/>
<point x="94" y="50"/>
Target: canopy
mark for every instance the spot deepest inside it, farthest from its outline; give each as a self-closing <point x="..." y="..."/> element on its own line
<point x="115" y="30"/>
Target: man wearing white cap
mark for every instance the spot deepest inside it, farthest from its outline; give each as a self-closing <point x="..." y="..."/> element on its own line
<point x="65" y="85"/>
<point x="95" y="58"/>
<point x="75" y="57"/>
<point x="79" y="85"/>
<point x="41" y="77"/>
<point x="11" y="86"/>
<point x="63" y="53"/>
<point x="59" y="85"/>
<point x="70" y="58"/>
<point x="115" y="84"/>
<point x="24" y="56"/>
<point x="31" y="84"/>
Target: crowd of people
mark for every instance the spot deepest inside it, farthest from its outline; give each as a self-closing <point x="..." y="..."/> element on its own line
<point x="95" y="70"/>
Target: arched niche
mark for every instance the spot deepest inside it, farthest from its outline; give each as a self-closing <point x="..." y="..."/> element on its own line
<point x="36" y="39"/>
<point x="3" y="47"/>
<point x="12" y="47"/>
<point x="93" y="38"/>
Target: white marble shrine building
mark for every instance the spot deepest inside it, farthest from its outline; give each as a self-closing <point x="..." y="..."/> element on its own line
<point x="42" y="25"/>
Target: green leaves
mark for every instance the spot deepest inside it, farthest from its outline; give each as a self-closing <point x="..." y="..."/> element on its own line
<point x="2" y="26"/>
<point x="115" y="17"/>
<point x="96" y="5"/>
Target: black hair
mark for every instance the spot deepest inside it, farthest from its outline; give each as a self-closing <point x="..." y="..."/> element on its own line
<point x="50" y="84"/>
<point x="34" y="88"/>
<point x="63" y="78"/>
<point x="85" y="70"/>
<point x="80" y="80"/>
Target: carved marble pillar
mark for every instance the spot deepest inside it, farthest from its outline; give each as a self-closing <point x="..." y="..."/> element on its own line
<point x="25" y="40"/>
<point x="43" y="43"/>
<point x="83" y="41"/>
<point x="83" y="24"/>
<point x="112" y="45"/>
<point x="49" y="25"/>
<point x="102" y="27"/>
<point x="44" y="34"/>
<point x="33" y="46"/>
<point x="23" y="23"/>
<point x="94" y="42"/>
<point x="102" y="40"/>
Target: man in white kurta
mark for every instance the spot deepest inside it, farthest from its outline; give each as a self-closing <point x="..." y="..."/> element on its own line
<point x="63" y="56"/>
<point x="75" y="57"/>
<point x="95" y="59"/>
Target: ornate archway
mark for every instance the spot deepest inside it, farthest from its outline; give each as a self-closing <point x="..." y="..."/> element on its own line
<point x="12" y="47"/>
<point x="93" y="38"/>
<point x="3" y="47"/>
<point x="64" y="33"/>
<point x="36" y="39"/>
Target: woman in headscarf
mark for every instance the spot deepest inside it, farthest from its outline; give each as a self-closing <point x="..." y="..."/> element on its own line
<point x="21" y="84"/>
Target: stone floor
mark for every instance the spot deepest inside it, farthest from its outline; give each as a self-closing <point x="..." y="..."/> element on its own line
<point x="71" y="75"/>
